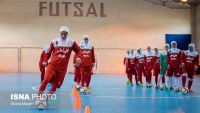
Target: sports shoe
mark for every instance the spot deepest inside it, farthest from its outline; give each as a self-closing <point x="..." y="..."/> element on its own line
<point x="141" y="85"/>
<point x="127" y="82"/>
<point x="190" y="91"/>
<point x="167" y="89"/>
<point x="131" y="84"/>
<point x="88" y="90"/>
<point x="147" y="84"/>
<point x="78" y="86"/>
<point x="157" y="87"/>
<point x="83" y="90"/>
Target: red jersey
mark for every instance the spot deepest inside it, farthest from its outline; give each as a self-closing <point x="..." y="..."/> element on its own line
<point x="156" y="60"/>
<point x="131" y="62"/>
<point x="139" y="60"/>
<point x="149" y="59"/>
<point x="41" y="57"/>
<point x="60" y="50"/>
<point x="88" y="56"/>
<point x="174" y="58"/>
<point x="190" y="59"/>
<point x="42" y="68"/>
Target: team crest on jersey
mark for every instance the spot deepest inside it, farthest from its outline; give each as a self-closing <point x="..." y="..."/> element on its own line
<point x="62" y="52"/>
<point x="86" y="53"/>
<point x="173" y="55"/>
<point x="190" y="58"/>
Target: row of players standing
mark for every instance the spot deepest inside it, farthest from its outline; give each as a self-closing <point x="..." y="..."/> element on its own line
<point x="170" y="62"/>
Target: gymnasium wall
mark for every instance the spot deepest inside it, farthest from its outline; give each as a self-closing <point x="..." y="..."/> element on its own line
<point x="114" y="24"/>
<point x="198" y="26"/>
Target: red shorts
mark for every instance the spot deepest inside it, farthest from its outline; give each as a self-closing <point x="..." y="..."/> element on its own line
<point x="86" y="70"/>
<point x="174" y="71"/>
<point x="190" y="72"/>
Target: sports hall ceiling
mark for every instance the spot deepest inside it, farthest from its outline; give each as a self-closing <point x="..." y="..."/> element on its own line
<point x="176" y="4"/>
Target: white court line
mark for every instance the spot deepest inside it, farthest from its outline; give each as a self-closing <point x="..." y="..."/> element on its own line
<point x="127" y="96"/>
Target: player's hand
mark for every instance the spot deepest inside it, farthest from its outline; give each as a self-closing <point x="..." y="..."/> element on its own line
<point x="168" y="66"/>
<point x="183" y="65"/>
<point x="160" y="67"/>
<point x="93" y="65"/>
<point x="128" y="69"/>
<point x="144" y="67"/>
<point x="74" y="65"/>
<point x="196" y="68"/>
<point x="180" y="66"/>
<point x="78" y="62"/>
<point x="44" y="64"/>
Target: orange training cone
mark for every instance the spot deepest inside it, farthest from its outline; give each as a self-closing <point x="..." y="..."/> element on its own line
<point x="74" y="91"/>
<point x="87" y="109"/>
<point x="77" y="103"/>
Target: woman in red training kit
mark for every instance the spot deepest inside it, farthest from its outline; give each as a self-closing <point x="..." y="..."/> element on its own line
<point x="59" y="51"/>
<point x="173" y="65"/>
<point x="87" y="63"/>
<point x="139" y="61"/>
<point x="190" y="62"/>
<point x="132" y="68"/>
<point x="156" y="66"/>
<point x="41" y="66"/>
<point x="77" y="73"/>
<point x="149" y="66"/>
<point x="126" y="58"/>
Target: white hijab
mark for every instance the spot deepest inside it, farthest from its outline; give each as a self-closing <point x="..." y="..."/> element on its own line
<point x="149" y="53"/>
<point x="131" y="55"/>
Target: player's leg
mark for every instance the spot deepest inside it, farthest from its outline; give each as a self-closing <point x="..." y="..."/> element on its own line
<point x="191" y="77"/>
<point x="140" y="76"/>
<point x="155" y="73"/>
<point x="78" y="78"/>
<point x="131" y="75"/>
<point x="48" y="75"/>
<point x="177" y="75"/>
<point x="61" y="79"/>
<point x="163" y="79"/>
<point x="88" y="79"/>
<point x="127" y="74"/>
<point x="150" y="73"/>
<point x="136" y="76"/>
<point x="42" y="73"/>
<point x="147" y="75"/>
<point x="161" y="75"/>
<point x="83" y="79"/>
<point x="184" y="77"/>
<point x="168" y="79"/>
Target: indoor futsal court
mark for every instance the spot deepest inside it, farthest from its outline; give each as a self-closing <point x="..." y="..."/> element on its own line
<point x="99" y="56"/>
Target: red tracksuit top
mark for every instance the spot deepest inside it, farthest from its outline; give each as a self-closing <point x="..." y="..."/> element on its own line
<point x="190" y="59"/>
<point x="60" y="50"/>
<point x="88" y="56"/>
<point x="174" y="58"/>
<point x="131" y="62"/>
<point x="156" y="61"/>
<point x="139" y="60"/>
<point x="42" y="68"/>
<point x="149" y="59"/>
